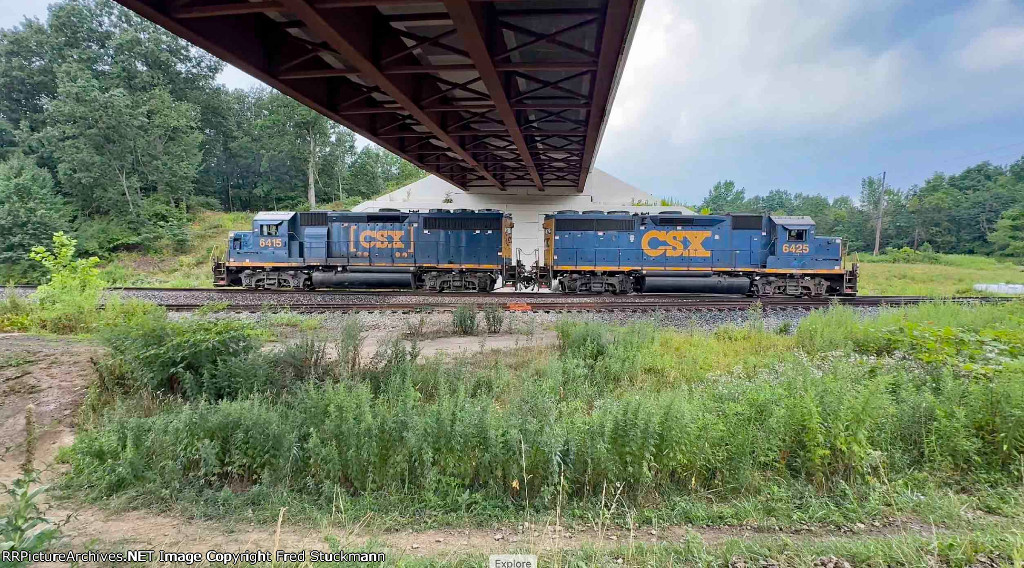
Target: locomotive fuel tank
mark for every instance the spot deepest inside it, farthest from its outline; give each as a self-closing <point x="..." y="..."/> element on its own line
<point x="364" y="280"/>
<point x="695" y="285"/>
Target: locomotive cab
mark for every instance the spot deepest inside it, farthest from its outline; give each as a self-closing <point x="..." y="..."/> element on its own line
<point x="800" y="263"/>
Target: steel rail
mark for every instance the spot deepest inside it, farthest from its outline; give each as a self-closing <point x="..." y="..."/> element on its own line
<point x="702" y="305"/>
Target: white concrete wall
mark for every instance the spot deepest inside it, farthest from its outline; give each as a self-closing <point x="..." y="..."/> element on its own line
<point x="602" y="192"/>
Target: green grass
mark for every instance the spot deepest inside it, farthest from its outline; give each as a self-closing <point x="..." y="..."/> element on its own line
<point x="918" y="411"/>
<point x="191" y="269"/>
<point x="906" y="273"/>
<point x="15" y="359"/>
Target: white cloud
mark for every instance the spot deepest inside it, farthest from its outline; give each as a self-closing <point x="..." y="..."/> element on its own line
<point x="703" y="70"/>
<point x="994" y="49"/>
<point x="772" y="91"/>
<point x="235" y="78"/>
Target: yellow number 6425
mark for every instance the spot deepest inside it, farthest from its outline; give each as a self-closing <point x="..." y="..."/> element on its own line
<point x="796" y="249"/>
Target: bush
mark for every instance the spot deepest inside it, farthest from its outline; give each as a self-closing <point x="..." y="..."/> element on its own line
<point x="907" y="255"/>
<point x="15" y="312"/>
<point x="494" y="318"/>
<point x="69" y="302"/>
<point x="196" y="359"/>
<point x="464" y="320"/>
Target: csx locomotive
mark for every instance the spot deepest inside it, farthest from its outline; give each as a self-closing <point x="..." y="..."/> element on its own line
<point x="592" y="252"/>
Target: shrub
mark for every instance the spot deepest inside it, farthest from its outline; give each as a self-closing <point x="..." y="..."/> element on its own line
<point x="180" y="358"/>
<point x="494" y="318"/>
<point x="15" y="312"/>
<point x="69" y="302"/>
<point x="306" y="361"/>
<point x="464" y="320"/>
<point x="349" y="344"/>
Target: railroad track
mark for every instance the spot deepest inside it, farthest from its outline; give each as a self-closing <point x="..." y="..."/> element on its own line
<point x="242" y="300"/>
<point x="597" y="305"/>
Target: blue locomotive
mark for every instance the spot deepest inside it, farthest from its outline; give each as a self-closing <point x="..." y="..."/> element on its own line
<point x="439" y="250"/>
<point x="762" y="255"/>
<point x="593" y="252"/>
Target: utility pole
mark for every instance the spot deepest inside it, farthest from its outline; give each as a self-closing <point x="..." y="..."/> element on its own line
<point x="878" y="220"/>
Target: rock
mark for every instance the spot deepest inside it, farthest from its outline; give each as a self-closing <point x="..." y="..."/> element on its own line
<point x="830" y="562"/>
<point x="612" y="537"/>
<point x="415" y="546"/>
<point x="498" y="537"/>
<point x="438" y="540"/>
<point x="737" y="562"/>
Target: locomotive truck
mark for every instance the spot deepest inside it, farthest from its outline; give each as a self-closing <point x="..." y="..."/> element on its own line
<point x="592" y="252"/>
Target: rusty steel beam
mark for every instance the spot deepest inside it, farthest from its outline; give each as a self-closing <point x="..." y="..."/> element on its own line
<point x="234" y="9"/>
<point x="318" y="74"/>
<point x="468" y="21"/>
<point x="613" y="39"/>
<point x="428" y="81"/>
<point x="361" y="61"/>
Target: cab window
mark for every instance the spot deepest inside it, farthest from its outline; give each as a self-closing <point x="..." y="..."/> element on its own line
<point x="798" y="235"/>
<point x="269" y="230"/>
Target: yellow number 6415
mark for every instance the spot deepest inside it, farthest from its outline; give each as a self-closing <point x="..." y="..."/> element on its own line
<point x="271" y="242"/>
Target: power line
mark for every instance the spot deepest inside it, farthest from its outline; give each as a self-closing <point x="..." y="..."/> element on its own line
<point x="987" y="151"/>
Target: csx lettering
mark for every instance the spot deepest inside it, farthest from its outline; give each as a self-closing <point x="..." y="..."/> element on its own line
<point x="382" y="239"/>
<point x="271" y="243"/>
<point x="675" y="243"/>
<point x="796" y="249"/>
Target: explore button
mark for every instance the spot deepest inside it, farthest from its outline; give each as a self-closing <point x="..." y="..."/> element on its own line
<point x="513" y="561"/>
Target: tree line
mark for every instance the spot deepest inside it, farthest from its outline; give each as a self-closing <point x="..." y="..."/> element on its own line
<point x="978" y="211"/>
<point x="116" y="129"/>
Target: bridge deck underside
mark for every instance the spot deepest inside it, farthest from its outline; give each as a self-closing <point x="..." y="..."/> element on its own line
<point x="509" y="94"/>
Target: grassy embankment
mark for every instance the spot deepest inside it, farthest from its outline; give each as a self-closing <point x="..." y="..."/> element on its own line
<point x="178" y="269"/>
<point x="909" y="273"/>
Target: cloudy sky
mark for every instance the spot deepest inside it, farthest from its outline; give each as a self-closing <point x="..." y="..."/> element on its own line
<point x="802" y="95"/>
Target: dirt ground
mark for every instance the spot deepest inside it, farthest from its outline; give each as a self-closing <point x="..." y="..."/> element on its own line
<point x="458" y="344"/>
<point x="53" y="374"/>
<point x="50" y="374"/>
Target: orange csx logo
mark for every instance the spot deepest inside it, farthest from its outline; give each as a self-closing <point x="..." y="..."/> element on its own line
<point x="675" y="243"/>
<point x="382" y="239"/>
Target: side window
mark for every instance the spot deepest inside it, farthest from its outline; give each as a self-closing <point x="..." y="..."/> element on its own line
<point x="269" y="230"/>
<point x="798" y="235"/>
